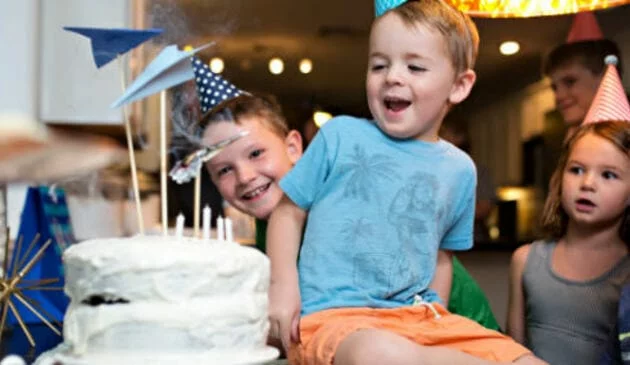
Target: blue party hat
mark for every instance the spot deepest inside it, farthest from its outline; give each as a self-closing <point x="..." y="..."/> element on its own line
<point x="212" y="88"/>
<point x="382" y="6"/>
<point x="108" y="44"/>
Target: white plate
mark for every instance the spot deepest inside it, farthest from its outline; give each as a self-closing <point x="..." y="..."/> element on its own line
<point x="234" y="357"/>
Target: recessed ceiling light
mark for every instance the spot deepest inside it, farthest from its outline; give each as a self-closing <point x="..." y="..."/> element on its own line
<point x="306" y="66"/>
<point x="217" y="65"/>
<point x="509" y="48"/>
<point x="276" y="66"/>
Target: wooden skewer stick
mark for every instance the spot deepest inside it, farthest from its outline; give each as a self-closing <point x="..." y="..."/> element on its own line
<point x="132" y="155"/>
<point x="3" y="319"/>
<point x="28" y="250"/>
<point x="163" y="162"/>
<point x="18" y="296"/>
<point x="197" y="203"/>
<point x="39" y="281"/>
<point x="30" y="264"/>
<point x="42" y="310"/>
<point x="15" y="312"/>
<point x="5" y="259"/>
<point x="10" y="286"/>
<point x="42" y="288"/>
<point x="16" y="255"/>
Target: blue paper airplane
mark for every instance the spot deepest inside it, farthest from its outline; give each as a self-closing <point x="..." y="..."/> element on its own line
<point x="171" y="67"/>
<point x="107" y="44"/>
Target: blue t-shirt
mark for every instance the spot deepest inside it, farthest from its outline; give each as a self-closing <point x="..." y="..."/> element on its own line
<point x="379" y="208"/>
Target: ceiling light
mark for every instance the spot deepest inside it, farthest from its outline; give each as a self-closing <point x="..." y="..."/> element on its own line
<point x="217" y="65"/>
<point x="306" y="66"/>
<point x="530" y="8"/>
<point x="321" y="118"/>
<point x="509" y="48"/>
<point x="276" y="66"/>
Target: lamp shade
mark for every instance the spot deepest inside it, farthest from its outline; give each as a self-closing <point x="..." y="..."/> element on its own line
<point x="530" y="8"/>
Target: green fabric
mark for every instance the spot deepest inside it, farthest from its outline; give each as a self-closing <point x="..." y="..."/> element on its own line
<point x="261" y="235"/>
<point x="467" y="299"/>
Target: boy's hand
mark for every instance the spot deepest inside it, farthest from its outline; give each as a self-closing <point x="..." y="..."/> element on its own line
<point x="284" y="313"/>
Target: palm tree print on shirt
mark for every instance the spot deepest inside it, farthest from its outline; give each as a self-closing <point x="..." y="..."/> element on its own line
<point x="367" y="174"/>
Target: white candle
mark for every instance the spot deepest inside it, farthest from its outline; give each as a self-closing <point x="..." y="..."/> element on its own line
<point x="179" y="226"/>
<point x="229" y="234"/>
<point x="207" y="215"/>
<point x="220" y="235"/>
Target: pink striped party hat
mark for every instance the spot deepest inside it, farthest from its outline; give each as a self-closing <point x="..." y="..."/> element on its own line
<point x="610" y="102"/>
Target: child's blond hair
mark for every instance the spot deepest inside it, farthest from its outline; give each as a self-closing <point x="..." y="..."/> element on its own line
<point x="458" y="30"/>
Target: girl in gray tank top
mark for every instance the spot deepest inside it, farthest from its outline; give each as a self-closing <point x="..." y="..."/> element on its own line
<point x="564" y="293"/>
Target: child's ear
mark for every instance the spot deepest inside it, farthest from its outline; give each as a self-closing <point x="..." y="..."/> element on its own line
<point x="293" y="142"/>
<point x="462" y="86"/>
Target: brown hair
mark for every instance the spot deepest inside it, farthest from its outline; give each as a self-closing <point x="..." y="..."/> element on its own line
<point x="589" y="54"/>
<point x="459" y="31"/>
<point x="265" y="107"/>
<point x="554" y="219"/>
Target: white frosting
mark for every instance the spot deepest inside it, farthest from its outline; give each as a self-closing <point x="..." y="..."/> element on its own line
<point x="170" y="296"/>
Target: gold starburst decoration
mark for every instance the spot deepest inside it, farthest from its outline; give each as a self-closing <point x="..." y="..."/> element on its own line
<point x="13" y="285"/>
<point x="531" y="8"/>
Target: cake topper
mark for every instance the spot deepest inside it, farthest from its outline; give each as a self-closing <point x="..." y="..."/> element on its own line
<point x="170" y="68"/>
<point x="107" y="44"/>
<point x="212" y="88"/>
<point x="188" y="168"/>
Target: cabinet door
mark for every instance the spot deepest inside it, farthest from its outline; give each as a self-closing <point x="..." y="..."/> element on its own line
<point x="73" y="90"/>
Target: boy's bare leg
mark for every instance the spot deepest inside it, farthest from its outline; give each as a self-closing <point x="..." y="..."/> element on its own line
<point x="530" y="360"/>
<point x="377" y="347"/>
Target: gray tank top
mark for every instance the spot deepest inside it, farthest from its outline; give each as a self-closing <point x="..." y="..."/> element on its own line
<point x="569" y="322"/>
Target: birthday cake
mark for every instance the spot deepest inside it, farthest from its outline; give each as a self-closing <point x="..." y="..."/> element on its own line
<point x="153" y="299"/>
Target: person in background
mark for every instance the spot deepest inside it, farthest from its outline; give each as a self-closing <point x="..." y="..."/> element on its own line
<point x="586" y="255"/>
<point x="575" y="68"/>
<point x="381" y="197"/>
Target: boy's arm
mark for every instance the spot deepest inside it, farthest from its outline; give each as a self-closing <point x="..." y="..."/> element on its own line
<point x="283" y="239"/>
<point x="443" y="278"/>
<point x="516" y="326"/>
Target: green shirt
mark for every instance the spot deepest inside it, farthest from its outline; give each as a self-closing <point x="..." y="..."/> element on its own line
<point x="466" y="299"/>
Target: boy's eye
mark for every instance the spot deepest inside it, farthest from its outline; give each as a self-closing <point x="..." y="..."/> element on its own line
<point x="575" y="170"/>
<point x="377" y="67"/>
<point x="608" y="175"/>
<point x="569" y="81"/>
<point x="224" y="170"/>
<point x="256" y="153"/>
<point x="415" y="68"/>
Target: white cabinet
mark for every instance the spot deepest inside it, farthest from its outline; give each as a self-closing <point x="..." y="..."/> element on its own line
<point x="72" y="90"/>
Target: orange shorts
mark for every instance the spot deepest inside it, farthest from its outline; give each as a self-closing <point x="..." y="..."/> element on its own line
<point x="322" y="332"/>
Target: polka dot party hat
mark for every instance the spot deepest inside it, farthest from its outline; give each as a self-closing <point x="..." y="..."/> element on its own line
<point x="212" y="88"/>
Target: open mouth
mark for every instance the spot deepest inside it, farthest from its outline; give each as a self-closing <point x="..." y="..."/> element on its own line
<point x="585" y="203"/>
<point x="103" y="299"/>
<point x="396" y="104"/>
<point x="256" y="192"/>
